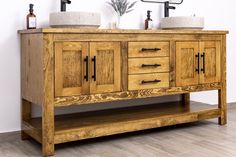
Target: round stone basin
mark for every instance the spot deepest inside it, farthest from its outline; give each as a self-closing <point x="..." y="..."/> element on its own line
<point x="75" y="20"/>
<point x="182" y="22"/>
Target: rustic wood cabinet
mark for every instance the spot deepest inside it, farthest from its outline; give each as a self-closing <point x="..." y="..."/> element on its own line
<point x="198" y="62"/>
<point x="70" y="68"/>
<point x="106" y="67"/>
<point x="77" y="62"/>
<point x="65" y="67"/>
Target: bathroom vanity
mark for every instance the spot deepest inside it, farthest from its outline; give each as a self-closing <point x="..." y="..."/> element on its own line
<point x="65" y="67"/>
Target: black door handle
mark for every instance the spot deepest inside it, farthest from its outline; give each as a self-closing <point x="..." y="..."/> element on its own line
<point x="152" y="81"/>
<point x="94" y="68"/>
<point x="198" y="63"/>
<point x="204" y="60"/>
<point x="86" y="66"/>
<point x="150" y="49"/>
<point x="150" y="65"/>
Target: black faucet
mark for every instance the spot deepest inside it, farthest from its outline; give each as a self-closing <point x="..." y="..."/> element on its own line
<point x="63" y="4"/>
<point x="167" y="8"/>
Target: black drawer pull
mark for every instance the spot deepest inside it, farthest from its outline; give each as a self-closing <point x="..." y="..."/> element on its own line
<point x="86" y="66"/>
<point x="203" y="58"/>
<point x="198" y="63"/>
<point x="150" y="65"/>
<point x="152" y="81"/>
<point x="94" y="68"/>
<point x="150" y="49"/>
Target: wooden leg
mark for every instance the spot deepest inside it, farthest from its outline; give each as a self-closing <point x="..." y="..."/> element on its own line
<point x="222" y="92"/>
<point x="25" y="117"/>
<point x="223" y="106"/>
<point x="186" y="100"/>
<point x="48" y="130"/>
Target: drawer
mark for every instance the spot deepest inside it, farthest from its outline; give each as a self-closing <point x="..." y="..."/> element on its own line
<point x="148" y="81"/>
<point x="148" y="49"/>
<point x="148" y="65"/>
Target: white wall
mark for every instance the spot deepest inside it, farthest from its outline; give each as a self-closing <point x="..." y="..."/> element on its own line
<point x="218" y="15"/>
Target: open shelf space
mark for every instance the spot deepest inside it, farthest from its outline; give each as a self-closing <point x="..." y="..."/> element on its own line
<point x="114" y="121"/>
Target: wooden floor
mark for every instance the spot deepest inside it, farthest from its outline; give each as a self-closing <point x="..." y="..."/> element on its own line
<point x="202" y="139"/>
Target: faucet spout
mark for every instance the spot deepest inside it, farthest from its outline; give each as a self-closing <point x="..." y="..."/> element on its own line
<point x="167" y="8"/>
<point x="63" y="4"/>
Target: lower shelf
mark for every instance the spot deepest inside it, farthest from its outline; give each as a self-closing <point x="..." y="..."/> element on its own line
<point x="114" y="121"/>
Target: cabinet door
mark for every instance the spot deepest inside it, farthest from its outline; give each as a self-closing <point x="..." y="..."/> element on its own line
<point x="70" y="68"/>
<point x="210" y="61"/>
<point x="186" y="63"/>
<point x="105" y="67"/>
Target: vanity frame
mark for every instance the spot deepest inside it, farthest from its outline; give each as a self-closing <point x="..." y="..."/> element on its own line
<point x="40" y="69"/>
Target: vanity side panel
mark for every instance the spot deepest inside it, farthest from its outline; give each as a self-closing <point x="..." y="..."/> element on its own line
<point x="32" y="67"/>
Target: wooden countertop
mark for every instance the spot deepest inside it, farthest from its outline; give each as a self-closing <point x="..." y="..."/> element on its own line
<point x="119" y="31"/>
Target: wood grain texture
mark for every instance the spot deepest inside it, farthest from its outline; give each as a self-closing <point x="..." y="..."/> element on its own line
<point x="187" y="63"/>
<point x="135" y="49"/>
<point x="114" y="121"/>
<point x="185" y="99"/>
<point x="134" y="37"/>
<point x="32" y="67"/>
<point x="136" y="82"/>
<point x="32" y="131"/>
<point x="172" y="63"/>
<point x="108" y="63"/>
<point x="70" y="68"/>
<point x="120" y="31"/>
<point x="144" y="65"/>
<point x="145" y="93"/>
<point x="48" y="103"/>
<point x="222" y="95"/>
<point x="113" y="49"/>
<point x="212" y="51"/>
<point x="201" y="139"/>
<point x="25" y="117"/>
<point x="124" y="66"/>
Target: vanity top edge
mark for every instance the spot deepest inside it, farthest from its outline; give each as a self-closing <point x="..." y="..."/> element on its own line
<point x="119" y="31"/>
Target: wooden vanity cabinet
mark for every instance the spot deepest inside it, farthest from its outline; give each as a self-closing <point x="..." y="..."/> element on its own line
<point x="105" y="67"/>
<point x="70" y="68"/>
<point x="86" y="68"/>
<point x="66" y="67"/>
<point x="198" y="62"/>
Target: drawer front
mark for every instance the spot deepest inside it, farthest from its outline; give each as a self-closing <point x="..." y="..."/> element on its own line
<point x="148" y="49"/>
<point x="148" y="65"/>
<point x="148" y="81"/>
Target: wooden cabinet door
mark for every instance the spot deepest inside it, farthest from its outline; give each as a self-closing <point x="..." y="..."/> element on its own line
<point x="105" y="67"/>
<point x="210" y="61"/>
<point x="186" y="63"/>
<point x="70" y="68"/>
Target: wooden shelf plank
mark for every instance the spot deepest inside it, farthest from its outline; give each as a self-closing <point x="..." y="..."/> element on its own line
<point x="113" y="121"/>
<point x="34" y="131"/>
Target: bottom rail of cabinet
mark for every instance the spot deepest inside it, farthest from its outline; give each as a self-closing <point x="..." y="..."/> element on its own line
<point x="87" y="125"/>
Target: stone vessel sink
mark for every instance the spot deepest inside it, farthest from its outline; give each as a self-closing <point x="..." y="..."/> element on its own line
<point x="182" y="22"/>
<point x="75" y="19"/>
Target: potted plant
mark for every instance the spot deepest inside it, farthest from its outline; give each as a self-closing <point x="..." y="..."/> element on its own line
<point x="121" y="7"/>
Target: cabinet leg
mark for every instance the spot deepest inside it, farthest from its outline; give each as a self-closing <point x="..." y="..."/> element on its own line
<point x="48" y="130"/>
<point x="222" y="106"/>
<point x="186" y="100"/>
<point x="25" y="117"/>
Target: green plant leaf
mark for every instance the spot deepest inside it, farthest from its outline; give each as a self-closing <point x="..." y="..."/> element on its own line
<point x="121" y="6"/>
<point x="132" y="4"/>
<point x="129" y="10"/>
